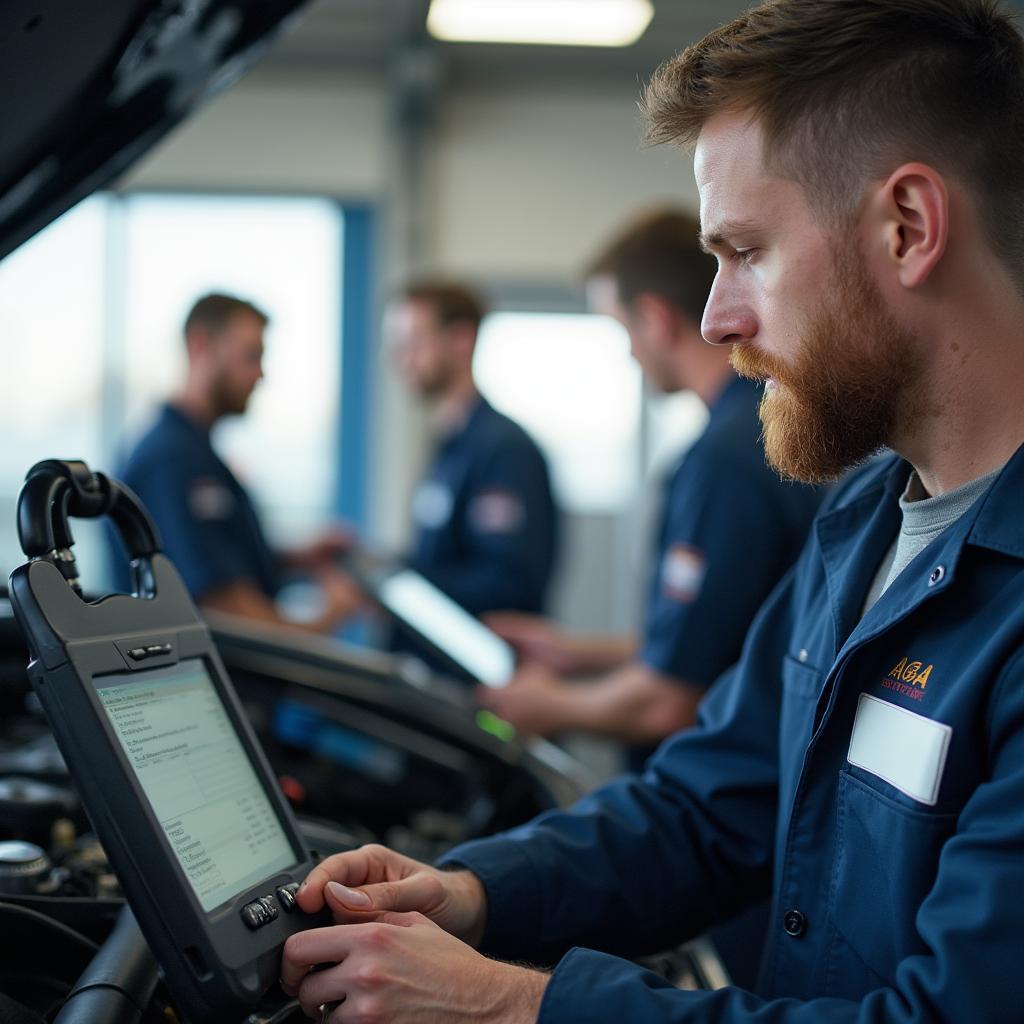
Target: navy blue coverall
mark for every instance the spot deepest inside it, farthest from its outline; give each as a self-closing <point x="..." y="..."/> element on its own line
<point x="206" y="520"/>
<point x="486" y="523"/>
<point x="730" y="529"/>
<point x="867" y="772"/>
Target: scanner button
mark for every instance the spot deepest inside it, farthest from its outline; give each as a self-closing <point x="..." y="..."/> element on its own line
<point x="255" y="915"/>
<point x="149" y="651"/>
<point x="259" y="912"/>
<point x="286" y="896"/>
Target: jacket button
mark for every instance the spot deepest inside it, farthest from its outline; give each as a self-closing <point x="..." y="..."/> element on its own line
<point x="936" y="575"/>
<point x="795" y="923"/>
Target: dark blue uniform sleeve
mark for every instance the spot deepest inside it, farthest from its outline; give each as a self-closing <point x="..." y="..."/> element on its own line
<point x="593" y="987"/>
<point x="645" y="862"/>
<point x="194" y="515"/>
<point x="726" y="542"/>
<point x="508" y="536"/>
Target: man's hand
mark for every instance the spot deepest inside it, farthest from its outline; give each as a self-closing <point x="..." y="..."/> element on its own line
<point x="536" y="701"/>
<point x="343" y="597"/>
<point x="535" y="639"/>
<point x="324" y="550"/>
<point x="635" y="704"/>
<point x="403" y="967"/>
<point x="360" y="885"/>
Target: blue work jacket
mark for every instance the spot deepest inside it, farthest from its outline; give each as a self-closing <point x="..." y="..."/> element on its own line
<point x="206" y="520"/>
<point x="486" y="523"/>
<point x="896" y="869"/>
<point x="729" y="530"/>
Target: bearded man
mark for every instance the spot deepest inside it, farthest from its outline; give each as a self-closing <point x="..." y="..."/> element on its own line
<point x="207" y="522"/>
<point x="485" y="521"/>
<point x="861" y="173"/>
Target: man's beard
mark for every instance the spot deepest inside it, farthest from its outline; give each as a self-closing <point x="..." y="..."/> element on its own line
<point x="228" y="400"/>
<point x="435" y="383"/>
<point x="844" y="394"/>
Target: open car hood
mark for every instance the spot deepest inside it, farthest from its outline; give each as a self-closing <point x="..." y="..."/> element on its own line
<point x="87" y="88"/>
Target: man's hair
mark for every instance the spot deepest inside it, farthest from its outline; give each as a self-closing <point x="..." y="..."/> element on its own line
<point x="846" y="90"/>
<point x="213" y="312"/>
<point x="452" y="302"/>
<point x="659" y="254"/>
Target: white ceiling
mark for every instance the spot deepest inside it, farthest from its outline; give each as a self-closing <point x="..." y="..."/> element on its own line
<point x="371" y="34"/>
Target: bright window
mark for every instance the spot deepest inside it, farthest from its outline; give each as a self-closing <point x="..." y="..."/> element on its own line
<point x="570" y="381"/>
<point x="283" y="254"/>
<point x="674" y="422"/>
<point x="91" y="312"/>
<point x="52" y="293"/>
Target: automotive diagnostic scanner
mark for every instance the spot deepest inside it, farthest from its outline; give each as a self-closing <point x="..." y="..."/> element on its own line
<point x="167" y="767"/>
<point x="461" y="641"/>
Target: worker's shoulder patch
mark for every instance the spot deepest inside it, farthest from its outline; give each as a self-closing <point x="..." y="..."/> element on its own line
<point x="682" y="573"/>
<point x="210" y="499"/>
<point x="496" y="510"/>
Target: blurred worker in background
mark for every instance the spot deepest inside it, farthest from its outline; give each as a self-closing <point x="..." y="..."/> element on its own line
<point x="729" y="529"/>
<point x="207" y="522"/>
<point x="486" y="526"/>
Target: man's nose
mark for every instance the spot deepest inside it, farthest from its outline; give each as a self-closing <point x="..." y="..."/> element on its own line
<point x="727" y="320"/>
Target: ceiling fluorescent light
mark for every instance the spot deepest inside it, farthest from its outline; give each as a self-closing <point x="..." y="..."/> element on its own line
<point x="547" y="22"/>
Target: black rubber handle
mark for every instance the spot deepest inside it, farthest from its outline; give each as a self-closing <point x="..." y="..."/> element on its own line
<point x="56" y="491"/>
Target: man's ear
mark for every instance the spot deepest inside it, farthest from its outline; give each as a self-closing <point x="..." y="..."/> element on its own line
<point x="658" y="316"/>
<point x="911" y="209"/>
<point x="198" y="341"/>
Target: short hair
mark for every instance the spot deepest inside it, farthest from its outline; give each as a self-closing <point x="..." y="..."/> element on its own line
<point x="845" y="90"/>
<point x="659" y="253"/>
<point x="452" y="302"/>
<point x="215" y="311"/>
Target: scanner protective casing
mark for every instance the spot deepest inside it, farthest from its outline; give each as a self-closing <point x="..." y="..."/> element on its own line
<point x="213" y="963"/>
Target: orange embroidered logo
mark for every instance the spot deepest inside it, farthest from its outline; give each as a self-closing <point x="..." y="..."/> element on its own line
<point x="908" y="678"/>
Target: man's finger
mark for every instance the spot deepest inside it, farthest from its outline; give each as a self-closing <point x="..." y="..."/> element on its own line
<point x="304" y="950"/>
<point x="349" y="869"/>
<point x="328" y="946"/>
<point x="320" y="988"/>
<point x="421" y="891"/>
<point x="329" y="986"/>
<point x="487" y="696"/>
<point x="405" y="919"/>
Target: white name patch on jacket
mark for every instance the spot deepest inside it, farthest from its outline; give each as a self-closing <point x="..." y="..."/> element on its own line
<point x="432" y="505"/>
<point x="905" y="749"/>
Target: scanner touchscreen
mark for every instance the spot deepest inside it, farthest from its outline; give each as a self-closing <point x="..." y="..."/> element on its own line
<point x="190" y="763"/>
<point x="448" y="626"/>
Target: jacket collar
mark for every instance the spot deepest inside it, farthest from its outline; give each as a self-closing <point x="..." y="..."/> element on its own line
<point x="854" y="537"/>
<point x="998" y="523"/>
<point x="477" y="411"/>
<point x="172" y="414"/>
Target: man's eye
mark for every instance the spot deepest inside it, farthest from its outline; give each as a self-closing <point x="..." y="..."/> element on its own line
<point x="744" y="255"/>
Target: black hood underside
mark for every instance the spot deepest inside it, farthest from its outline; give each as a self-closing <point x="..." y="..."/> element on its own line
<point x="87" y="88"/>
